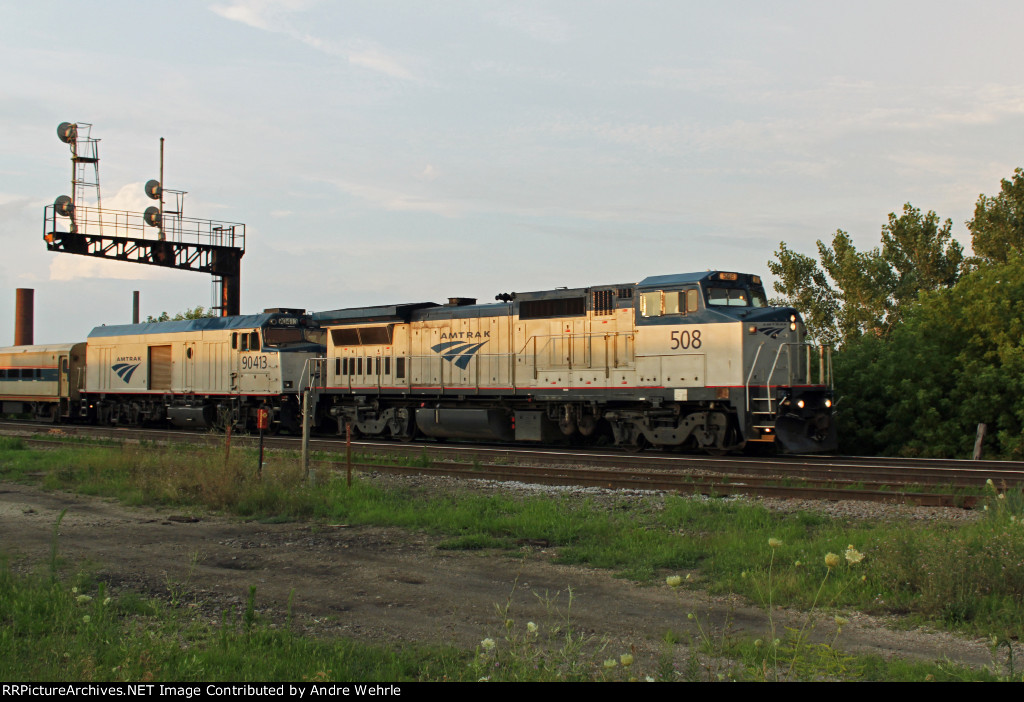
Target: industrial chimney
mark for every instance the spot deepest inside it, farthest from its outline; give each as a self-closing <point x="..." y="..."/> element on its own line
<point x="24" y="312"/>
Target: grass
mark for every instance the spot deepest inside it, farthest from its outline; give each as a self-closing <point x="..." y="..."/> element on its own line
<point x="59" y="631"/>
<point x="965" y="577"/>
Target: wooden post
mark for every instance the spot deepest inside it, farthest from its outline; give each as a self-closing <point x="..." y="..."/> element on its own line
<point x="306" y="397"/>
<point x="979" y="441"/>
<point x="259" y="464"/>
<point x="348" y="454"/>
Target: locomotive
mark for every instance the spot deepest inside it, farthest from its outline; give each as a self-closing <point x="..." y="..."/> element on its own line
<point x="208" y="372"/>
<point x="697" y="361"/>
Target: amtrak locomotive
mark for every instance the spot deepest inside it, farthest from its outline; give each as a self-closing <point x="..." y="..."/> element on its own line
<point x="695" y="360"/>
<point x="699" y="361"/>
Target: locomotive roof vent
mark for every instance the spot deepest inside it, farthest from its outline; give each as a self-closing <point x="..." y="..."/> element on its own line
<point x="461" y="301"/>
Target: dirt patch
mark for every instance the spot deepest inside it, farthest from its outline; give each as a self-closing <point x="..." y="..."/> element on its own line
<point x="392" y="586"/>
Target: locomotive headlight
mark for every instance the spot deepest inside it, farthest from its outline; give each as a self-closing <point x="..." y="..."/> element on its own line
<point x="800" y="404"/>
<point x="828" y="403"/>
<point x="792" y="326"/>
<point x="792" y="317"/>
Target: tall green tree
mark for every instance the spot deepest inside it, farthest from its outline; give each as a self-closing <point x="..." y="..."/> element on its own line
<point x="997" y="228"/>
<point x="848" y="294"/>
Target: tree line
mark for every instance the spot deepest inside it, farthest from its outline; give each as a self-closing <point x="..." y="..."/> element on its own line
<point x="928" y="342"/>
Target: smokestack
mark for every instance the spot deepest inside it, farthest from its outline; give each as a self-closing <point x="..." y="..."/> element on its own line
<point x="24" y="313"/>
<point x="135" y="307"/>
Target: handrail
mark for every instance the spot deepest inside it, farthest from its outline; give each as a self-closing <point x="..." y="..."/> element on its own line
<point x="753" y="366"/>
<point x="309" y="373"/>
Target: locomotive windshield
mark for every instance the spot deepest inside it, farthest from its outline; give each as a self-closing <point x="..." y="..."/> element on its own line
<point x="280" y="337"/>
<point x="737" y="297"/>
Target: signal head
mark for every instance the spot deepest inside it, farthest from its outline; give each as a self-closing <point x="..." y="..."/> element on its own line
<point x="67" y="132"/>
<point x="152" y="216"/>
<point x="64" y="206"/>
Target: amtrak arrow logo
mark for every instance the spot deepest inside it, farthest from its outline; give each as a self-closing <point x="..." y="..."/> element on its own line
<point x="124" y="370"/>
<point x="458" y="352"/>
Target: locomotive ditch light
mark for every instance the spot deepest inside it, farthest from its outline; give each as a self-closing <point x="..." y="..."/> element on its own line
<point x="792" y="326"/>
<point x="800" y="404"/>
<point x="752" y="329"/>
<point x="828" y="403"/>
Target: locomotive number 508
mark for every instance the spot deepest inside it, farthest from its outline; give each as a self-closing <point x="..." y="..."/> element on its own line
<point x="686" y="339"/>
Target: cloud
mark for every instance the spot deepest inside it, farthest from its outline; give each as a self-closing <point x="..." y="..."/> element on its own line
<point x="532" y="22"/>
<point x="71" y="267"/>
<point x="130" y="198"/>
<point x="273" y="16"/>
<point x="260" y="14"/>
<point x="376" y="59"/>
<point x="389" y="199"/>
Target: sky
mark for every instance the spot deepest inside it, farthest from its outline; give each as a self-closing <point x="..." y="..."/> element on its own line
<point x="388" y="152"/>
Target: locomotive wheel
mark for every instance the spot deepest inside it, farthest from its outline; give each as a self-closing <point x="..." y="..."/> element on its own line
<point x="409" y="435"/>
<point x="637" y="445"/>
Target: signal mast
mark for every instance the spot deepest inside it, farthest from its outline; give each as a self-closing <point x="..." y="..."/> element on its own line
<point x="157" y="237"/>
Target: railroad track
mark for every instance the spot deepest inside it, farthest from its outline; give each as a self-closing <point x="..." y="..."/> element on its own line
<point x="910" y="481"/>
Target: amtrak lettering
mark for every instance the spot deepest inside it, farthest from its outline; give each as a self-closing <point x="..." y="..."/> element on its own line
<point x="465" y="335"/>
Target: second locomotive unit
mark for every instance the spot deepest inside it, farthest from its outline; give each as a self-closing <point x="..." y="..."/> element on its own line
<point x="694" y="360"/>
<point x="208" y="372"/>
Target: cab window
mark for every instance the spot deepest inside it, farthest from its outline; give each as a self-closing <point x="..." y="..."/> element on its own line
<point x="728" y="297"/>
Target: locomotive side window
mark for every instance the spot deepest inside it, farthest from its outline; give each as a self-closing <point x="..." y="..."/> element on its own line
<point x="234" y="340"/>
<point x="671" y="302"/>
<point x="254" y="341"/>
<point x="337" y="366"/>
<point x="245" y="342"/>
<point x="691" y="300"/>
<point x="650" y="304"/>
